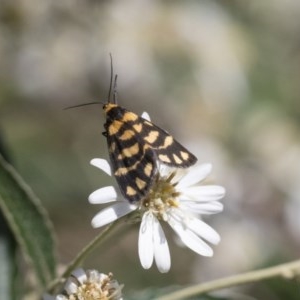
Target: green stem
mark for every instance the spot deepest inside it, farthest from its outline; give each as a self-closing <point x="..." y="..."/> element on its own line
<point x="287" y="270"/>
<point x="84" y="253"/>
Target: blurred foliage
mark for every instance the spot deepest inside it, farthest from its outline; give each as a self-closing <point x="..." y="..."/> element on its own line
<point x="222" y="76"/>
<point x="30" y="226"/>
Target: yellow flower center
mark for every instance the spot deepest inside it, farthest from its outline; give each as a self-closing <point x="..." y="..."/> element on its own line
<point x="162" y="196"/>
<point x="95" y="290"/>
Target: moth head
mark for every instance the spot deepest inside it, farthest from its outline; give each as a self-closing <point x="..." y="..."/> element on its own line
<point x="113" y="111"/>
<point x="108" y="106"/>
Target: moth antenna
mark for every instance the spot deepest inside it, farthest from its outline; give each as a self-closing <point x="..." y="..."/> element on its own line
<point x="111" y="77"/>
<point x="83" y="104"/>
<point x="115" y="90"/>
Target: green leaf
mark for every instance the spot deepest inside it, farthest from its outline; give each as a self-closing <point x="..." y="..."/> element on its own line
<point x="8" y="267"/>
<point x="29" y="223"/>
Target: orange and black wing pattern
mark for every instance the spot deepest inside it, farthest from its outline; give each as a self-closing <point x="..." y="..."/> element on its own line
<point x="135" y="145"/>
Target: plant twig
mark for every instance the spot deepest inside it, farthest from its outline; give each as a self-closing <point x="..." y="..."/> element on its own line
<point x="288" y="270"/>
<point x="84" y="253"/>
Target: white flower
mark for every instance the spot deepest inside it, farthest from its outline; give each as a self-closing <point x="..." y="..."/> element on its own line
<point x="108" y="194"/>
<point x="175" y="198"/>
<point x="89" y="284"/>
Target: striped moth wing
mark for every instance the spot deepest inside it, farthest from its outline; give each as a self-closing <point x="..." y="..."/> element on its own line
<point x="135" y="145"/>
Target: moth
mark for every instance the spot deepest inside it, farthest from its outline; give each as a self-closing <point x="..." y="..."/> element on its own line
<point x="135" y="145"/>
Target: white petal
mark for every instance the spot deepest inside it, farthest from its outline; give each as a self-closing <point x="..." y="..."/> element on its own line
<point x="145" y="116"/>
<point x="80" y="275"/>
<point x="203" y="192"/>
<point x="203" y="230"/>
<point x="60" y="297"/>
<point x="112" y="213"/>
<point x="206" y="208"/>
<point x="194" y="175"/>
<point x="190" y="239"/>
<point x="146" y="247"/>
<point x="161" y="248"/>
<point x="103" y="195"/>
<point x="94" y="276"/>
<point x="101" y="164"/>
<point x="165" y="171"/>
<point x="70" y="287"/>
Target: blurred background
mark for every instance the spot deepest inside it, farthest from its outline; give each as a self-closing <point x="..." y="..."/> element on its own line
<point x="221" y="76"/>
